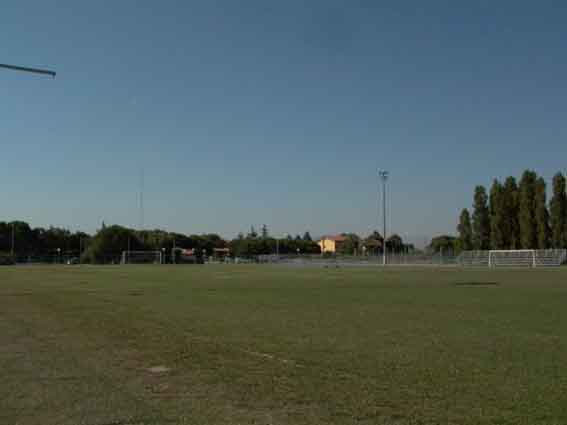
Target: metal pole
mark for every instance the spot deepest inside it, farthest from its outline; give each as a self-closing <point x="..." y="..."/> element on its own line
<point x="384" y="217"/>
<point x="26" y="69"/>
<point x="383" y="176"/>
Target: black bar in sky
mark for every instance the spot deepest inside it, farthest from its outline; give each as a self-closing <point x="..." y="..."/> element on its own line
<point x="25" y="69"/>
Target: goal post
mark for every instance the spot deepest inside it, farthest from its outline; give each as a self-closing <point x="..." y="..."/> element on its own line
<point x="142" y="257"/>
<point x="512" y="258"/>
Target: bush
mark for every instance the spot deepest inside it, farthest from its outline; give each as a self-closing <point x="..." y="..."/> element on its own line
<point x="6" y="259"/>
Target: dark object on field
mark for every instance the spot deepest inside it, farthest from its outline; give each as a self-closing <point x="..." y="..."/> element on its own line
<point x="476" y="283"/>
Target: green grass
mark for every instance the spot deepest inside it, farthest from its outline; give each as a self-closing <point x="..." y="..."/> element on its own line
<point x="263" y="345"/>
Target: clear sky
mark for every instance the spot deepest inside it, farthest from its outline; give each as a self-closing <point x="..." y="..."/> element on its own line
<point x="275" y="112"/>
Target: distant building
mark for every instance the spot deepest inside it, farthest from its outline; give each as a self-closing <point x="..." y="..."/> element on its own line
<point x="332" y="244"/>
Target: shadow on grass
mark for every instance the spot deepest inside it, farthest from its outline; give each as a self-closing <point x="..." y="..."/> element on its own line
<point x="476" y="283"/>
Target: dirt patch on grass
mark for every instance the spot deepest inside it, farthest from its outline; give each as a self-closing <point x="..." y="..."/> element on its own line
<point x="158" y="369"/>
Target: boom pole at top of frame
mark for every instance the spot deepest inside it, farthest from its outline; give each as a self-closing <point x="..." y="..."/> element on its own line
<point x="31" y="70"/>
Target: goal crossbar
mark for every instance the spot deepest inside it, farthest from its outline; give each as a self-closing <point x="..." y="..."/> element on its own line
<point x="137" y="257"/>
<point x="515" y="256"/>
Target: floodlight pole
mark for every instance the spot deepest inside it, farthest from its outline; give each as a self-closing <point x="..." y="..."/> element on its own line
<point x="383" y="175"/>
<point x="30" y="70"/>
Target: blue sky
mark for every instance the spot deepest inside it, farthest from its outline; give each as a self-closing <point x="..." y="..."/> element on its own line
<point x="275" y="112"/>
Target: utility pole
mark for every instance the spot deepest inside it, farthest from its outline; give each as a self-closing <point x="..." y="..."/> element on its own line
<point x="383" y="175"/>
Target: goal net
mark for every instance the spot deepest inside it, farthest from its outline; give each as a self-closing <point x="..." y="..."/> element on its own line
<point x="142" y="257"/>
<point x="512" y="258"/>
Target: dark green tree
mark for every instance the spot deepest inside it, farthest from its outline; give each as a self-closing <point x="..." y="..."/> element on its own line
<point x="443" y="244"/>
<point x="510" y="206"/>
<point x="465" y="231"/>
<point x="498" y="239"/>
<point x="374" y="243"/>
<point x="307" y="237"/>
<point x="395" y="244"/>
<point x="527" y="211"/>
<point x="558" y="213"/>
<point x="265" y="233"/>
<point x="541" y="215"/>
<point x="351" y="245"/>
<point x="481" y="219"/>
<point x="253" y="234"/>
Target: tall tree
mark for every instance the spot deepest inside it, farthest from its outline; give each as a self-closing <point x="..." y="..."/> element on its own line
<point x="307" y="237"/>
<point x="541" y="215"/>
<point x="481" y="219"/>
<point x="510" y="206"/>
<point x="265" y="233"/>
<point x="497" y="219"/>
<point x="253" y="234"/>
<point x="527" y="210"/>
<point x="465" y="231"/>
<point x="558" y="213"/>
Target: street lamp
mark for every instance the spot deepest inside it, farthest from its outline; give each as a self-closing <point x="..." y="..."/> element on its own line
<point x="383" y="175"/>
<point x="59" y="255"/>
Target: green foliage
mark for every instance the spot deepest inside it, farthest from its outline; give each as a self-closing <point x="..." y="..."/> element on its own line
<point x="395" y="244"/>
<point x="374" y="243"/>
<point x="510" y="207"/>
<point x="497" y="217"/>
<point x="351" y="245"/>
<point x="109" y="243"/>
<point x="481" y="219"/>
<point x="517" y="217"/>
<point x="465" y="231"/>
<point x="253" y="234"/>
<point x="307" y="237"/>
<point x="541" y="215"/>
<point x="444" y="244"/>
<point x="40" y="242"/>
<point x="527" y="211"/>
<point x="558" y="213"/>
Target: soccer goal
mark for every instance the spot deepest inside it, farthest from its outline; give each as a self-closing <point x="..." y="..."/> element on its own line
<point x="512" y="258"/>
<point x="142" y="257"/>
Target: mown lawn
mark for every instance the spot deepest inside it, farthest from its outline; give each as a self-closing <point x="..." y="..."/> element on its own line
<point x="267" y="345"/>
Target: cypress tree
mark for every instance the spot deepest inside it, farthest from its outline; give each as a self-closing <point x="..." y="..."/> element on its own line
<point x="527" y="211"/>
<point x="558" y="213"/>
<point x="541" y="215"/>
<point x="481" y="219"/>
<point x="510" y="198"/>
<point x="497" y="220"/>
<point x="465" y="231"/>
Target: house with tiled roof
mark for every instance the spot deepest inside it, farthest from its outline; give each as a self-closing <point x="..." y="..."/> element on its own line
<point x="331" y="243"/>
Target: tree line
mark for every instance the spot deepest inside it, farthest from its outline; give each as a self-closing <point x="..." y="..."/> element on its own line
<point x="20" y="240"/>
<point x="516" y="215"/>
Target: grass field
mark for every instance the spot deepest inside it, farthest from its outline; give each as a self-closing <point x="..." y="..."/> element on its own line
<point x="266" y="345"/>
